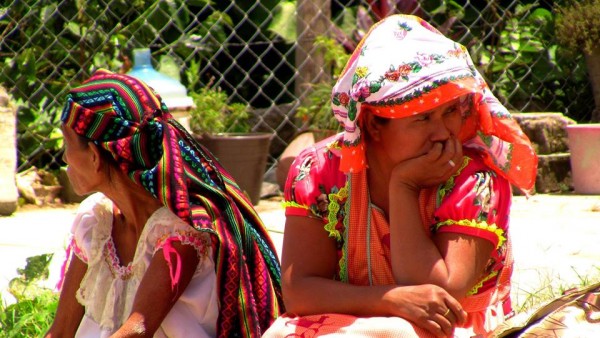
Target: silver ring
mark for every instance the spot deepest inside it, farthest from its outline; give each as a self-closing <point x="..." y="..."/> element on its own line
<point x="451" y="163"/>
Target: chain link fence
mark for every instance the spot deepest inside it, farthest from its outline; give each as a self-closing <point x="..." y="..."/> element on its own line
<point x="263" y="54"/>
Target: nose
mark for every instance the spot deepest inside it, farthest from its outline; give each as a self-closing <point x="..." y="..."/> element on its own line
<point x="440" y="131"/>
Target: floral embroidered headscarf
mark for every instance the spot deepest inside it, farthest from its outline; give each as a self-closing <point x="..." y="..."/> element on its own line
<point x="403" y="67"/>
<point x="126" y="118"/>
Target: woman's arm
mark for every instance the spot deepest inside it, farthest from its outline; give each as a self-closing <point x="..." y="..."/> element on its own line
<point x="309" y="262"/>
<point x="155" y="297"/>
<point x="69" y="312"/>
<point x="453" y="261"/>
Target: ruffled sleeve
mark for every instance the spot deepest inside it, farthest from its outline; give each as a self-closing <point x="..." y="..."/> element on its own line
<point x="85" y="222"/>
<point x="312" y="177"/>
<point x="475" y="202"/>
<point x="165" y="227"/>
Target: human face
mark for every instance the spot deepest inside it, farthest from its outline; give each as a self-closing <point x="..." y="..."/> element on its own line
<point x="410" y="137"/>
<point x="79" y="157"/>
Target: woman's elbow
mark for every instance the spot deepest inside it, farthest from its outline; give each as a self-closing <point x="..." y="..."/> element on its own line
<point x="294" y="299"/>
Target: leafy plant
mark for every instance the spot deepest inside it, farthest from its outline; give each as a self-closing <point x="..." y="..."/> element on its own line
<point x="524" y="65"/>
<point x="46" y="47"/>
<point x="33" y="312"/>
<point x="577" y="29"/>
<point x="525" y="54"/>
<point x="213" y="113"/>
<point x="39" y="140"/>
<point x="315" y="113"/>
<point x="578" y="25"/>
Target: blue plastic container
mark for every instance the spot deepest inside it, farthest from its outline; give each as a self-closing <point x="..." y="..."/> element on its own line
<point x="173" y="93"/>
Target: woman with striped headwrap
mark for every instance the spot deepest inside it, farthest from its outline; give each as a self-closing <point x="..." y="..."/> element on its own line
<point x="398" y="227"/>
<point x="168" y="246"/>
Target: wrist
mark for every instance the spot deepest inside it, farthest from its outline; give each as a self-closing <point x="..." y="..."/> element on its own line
<point x="405" y="186"/>
<point x="393" y="302"/>
<point x="388" y="304"/>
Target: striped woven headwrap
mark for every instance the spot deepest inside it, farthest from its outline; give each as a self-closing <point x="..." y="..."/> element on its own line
<point x="125" y="117"/>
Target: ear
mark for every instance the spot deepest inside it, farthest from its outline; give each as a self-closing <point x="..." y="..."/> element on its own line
<point x="96" y="157"/>
<point x="370" y="125"/>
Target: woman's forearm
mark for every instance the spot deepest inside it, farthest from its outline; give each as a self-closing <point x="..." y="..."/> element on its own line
<point x="415" y="257"/>
<point x="314" y="295"/>
<point x="69" y="312"/>
<point x="452" y="261"/>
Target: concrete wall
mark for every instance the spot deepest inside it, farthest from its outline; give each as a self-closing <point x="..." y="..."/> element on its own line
<point x="8" y="155"/>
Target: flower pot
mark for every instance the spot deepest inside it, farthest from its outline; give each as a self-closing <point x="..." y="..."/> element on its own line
<point x="584" y="145"/>
<point x="303" y="140"/>
<point x="244" y="156"/>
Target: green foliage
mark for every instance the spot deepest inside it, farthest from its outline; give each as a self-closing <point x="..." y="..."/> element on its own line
<point x="33" y="312"/>
<point x="39" y="138"/>
<point x="214" y="114"/>
<point x="527" y="68"/>
<point x="47" y="47"/>
<point x="578" y="25"/>
<point x="316" y="112"/>
<point x="524" y="54"/>
<point x="284" y="21"/>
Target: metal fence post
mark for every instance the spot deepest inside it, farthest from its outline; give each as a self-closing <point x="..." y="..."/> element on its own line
<point x="313" y="20"/>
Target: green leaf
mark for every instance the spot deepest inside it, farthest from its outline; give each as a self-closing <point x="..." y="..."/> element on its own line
<point x="284" y="21"/>
<point x="198" y="3"/>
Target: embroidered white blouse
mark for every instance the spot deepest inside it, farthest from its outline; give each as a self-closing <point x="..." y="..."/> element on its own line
<point x="108" y="288"/>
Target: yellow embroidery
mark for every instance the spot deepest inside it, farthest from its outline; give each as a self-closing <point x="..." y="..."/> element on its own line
<point x="362" y="71"/>
<point x="480" y="284"/>
<point x="332" y="210"/>
<point x="493" y="228"/>
<point x="293" y="204"/>
<point x="334" y="145"/>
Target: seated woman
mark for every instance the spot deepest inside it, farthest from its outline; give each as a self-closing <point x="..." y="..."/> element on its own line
<point x="168" y="246"/>
<point x="398" y="227"/>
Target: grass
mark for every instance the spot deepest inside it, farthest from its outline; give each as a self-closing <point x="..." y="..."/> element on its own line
<point x="551" y="287"/>
<point x="33" y="311"/>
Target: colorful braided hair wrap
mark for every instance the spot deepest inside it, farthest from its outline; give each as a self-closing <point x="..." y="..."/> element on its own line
<point x="403" y="67"/>
<point x="127" y="119"/>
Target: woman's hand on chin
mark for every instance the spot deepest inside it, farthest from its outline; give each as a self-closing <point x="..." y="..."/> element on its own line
<point x="433" y="168"/>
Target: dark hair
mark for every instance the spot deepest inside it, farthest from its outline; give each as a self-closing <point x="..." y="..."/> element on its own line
<point x="381" y="120"/>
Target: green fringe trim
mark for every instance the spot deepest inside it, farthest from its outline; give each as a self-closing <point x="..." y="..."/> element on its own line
<point x="447" y="187"/>
<point x="480" y="283"/>
<point x="493" y="228"/>
<point x="333" y="208"/>
<point x="286" y="204"/>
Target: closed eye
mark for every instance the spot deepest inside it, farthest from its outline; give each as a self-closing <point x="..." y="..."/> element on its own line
<point x="423" y="117"/>
<point x="452" y="110"/>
